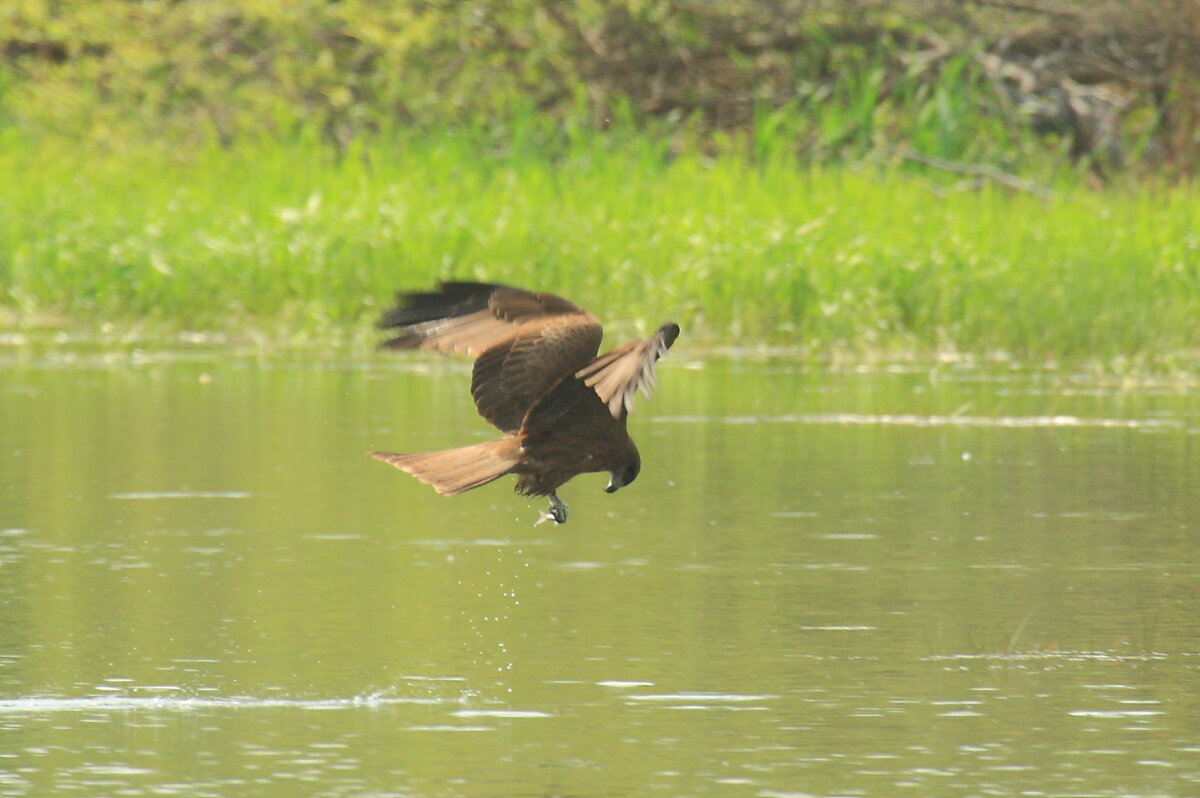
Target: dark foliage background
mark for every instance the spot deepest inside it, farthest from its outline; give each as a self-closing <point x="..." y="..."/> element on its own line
<point x="1110" y="85"/>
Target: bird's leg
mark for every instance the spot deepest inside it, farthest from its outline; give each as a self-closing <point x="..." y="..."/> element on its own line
<point x="557" y="512"/>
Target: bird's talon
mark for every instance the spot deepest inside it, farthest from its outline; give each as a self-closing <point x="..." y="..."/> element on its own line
<point x="557" y="511"/>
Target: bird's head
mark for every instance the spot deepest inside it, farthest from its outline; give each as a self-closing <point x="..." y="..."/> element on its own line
<point x="620" y="477"/>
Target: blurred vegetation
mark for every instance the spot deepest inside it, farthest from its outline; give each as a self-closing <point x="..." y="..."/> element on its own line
<point x="295" y="243"/>
<point x="1022" y="85"/>
<point x="863" y="177"/>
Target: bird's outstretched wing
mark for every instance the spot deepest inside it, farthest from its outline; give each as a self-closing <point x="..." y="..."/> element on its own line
<point x="617" y="375"/>
<point x="524" y="342"/>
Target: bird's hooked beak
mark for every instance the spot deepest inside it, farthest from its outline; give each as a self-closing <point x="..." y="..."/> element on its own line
<point x="622" y="477"/>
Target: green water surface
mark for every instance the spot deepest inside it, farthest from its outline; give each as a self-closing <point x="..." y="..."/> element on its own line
<point x="887" y="582"/>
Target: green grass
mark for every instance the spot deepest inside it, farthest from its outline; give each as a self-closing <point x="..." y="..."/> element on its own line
<point x="877" y="262"/>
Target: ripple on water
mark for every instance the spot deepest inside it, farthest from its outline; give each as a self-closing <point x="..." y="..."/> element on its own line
<point x="703" y="700"/>
<point x="182" y="494"/>
<point x="1065" y="656"/>
<point x="501" y="713"/>
<point x="913" y="420"/>
<point x="463" y="543"/>
<point x="135" y="703"/>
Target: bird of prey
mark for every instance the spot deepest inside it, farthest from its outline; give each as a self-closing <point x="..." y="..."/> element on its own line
<point x="538" y="379"/>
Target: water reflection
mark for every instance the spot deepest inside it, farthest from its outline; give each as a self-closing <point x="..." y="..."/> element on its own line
<point x="869" y="583"/>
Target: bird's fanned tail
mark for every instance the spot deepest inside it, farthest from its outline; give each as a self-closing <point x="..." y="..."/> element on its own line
<point x="453" y="471"/>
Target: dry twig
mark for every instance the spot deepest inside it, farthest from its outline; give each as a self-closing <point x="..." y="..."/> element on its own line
<point x="979" y="170"/>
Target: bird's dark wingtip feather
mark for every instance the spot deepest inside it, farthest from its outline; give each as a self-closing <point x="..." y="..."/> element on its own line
<point x="669" y="332"/>
<point x="407" y="341"/>
<point x="451" y="298"/>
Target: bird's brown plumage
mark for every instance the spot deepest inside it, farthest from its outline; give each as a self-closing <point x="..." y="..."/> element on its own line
<point x="537" y="378"/>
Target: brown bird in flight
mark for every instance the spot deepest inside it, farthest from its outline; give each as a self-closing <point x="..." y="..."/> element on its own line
<point x="538" y="379"/>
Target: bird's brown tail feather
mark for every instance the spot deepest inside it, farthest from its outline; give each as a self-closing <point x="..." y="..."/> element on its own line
<point x="453" y="471"/>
